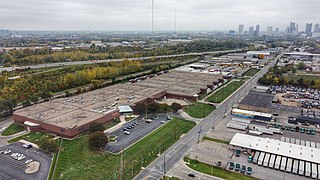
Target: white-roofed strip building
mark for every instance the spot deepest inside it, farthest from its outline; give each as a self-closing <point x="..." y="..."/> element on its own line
<point x="293" y="154"/>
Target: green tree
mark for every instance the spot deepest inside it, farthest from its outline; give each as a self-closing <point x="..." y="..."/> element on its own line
<point x="175" y="107"/>
<point x="301" y="65"/>
<point x="98" y="140"/>
<point x="94" y="127"/>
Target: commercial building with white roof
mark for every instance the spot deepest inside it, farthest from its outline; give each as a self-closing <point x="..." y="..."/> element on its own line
<point x="277" y="147"/>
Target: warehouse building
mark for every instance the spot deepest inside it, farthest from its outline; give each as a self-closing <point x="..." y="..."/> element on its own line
<point x="70" y="116"/>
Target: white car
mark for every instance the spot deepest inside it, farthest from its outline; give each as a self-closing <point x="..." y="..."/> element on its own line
<point x="127" y="132"/>
<point x="21" y="157"/>
<point x="28" y="161"/>
<point x="163" y="122"/>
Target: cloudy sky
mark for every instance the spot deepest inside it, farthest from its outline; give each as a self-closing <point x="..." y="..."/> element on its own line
<point x="127" y="15"/>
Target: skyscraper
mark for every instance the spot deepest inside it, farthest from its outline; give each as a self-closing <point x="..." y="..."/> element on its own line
<point x="269" y="30"/>
<point x="257" y="32"/>
<point x="308" y="28"/>
<point x="316" y="27"/>
<point x="241" y="29"/>
<point x="277" y="31"/>
<point x="292" y="27"/>
<point x="251" y="30"/>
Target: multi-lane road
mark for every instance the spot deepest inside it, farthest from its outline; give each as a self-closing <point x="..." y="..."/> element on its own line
<point x="166" y="161"/>
<point x="61" y="64"/>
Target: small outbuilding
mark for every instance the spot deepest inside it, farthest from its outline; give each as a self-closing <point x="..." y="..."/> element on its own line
<point x="125" y="110"/>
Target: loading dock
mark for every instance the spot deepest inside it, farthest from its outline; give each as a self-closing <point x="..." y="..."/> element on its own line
<point x="319" y="171"/>
<point x="318" y="145"/>
<point x="292" y="141"/>
<point x="287" y="140"/>
<point x="298" y="141"/>
<point x="308" y="169"/>
<point x="313" y="144"/>
<point x="283" y="139"/>
<point x="308" y="143"/>
<point x="302" y="142"/>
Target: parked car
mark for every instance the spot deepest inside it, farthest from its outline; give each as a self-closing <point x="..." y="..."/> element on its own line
<point x="162" y="122"/>
<point x="231" y="165"/>
<point x="126" y="132"/>
<point x="249" y="170"/>
<point x="237" y="167"/>
<point x="243" y="169"/>
<point x="191" y="175"/>
<point x="28" y="161"/>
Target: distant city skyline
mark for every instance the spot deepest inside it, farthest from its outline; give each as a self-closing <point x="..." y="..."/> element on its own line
<point x="135" y="15"/>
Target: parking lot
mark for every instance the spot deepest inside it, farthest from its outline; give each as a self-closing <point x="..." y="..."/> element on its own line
<point x="11" y="168"/>
<point x="136" y="133"/>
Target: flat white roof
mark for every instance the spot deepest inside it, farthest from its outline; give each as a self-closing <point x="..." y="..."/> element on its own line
<point x="242" y="111"/>
<point x="125" y="109"/>
<point x="28" y="123"/>
<point x="275" y="146"/>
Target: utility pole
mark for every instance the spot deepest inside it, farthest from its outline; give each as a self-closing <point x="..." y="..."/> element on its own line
<point x="164" y="166"/>
<point x="121" y="163"/>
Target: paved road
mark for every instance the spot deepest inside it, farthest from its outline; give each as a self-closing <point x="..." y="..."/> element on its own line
<point x="180" y="148"/>
<point x="59" y="64"/>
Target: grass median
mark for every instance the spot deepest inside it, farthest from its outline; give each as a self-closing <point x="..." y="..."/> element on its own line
<point x="199" y="110"/>
<point x="216" y="140"/>
<point x="13" y="129"/>
<point x="77" y="161"/>
<point x="225" y="92"/>
<point x="251" y="72"/>
<point x="33" y="137"/>
<point x="215" y="171"/>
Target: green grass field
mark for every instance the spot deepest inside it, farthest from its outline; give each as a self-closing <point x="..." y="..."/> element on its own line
<point x="225" y="92"/>
<point x="77" y="161"/>
<point x="216" y="140"/>
<point x="13" y="129"/>
<point x="251" y="72"/>
<point x="215" y="171"/>
<point x="199" y="110"/>
<point x="33" y="137"/>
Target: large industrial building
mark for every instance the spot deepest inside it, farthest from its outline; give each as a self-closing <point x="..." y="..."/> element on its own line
<point x="68" y="117"/>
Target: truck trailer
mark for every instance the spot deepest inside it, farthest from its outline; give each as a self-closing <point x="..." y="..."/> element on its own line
<point x="295" y="166"/>
<point x="277" y="163"/>
<point x="307" y="171"/>
<point x="276" y="130"/>
<point x="283" y="164"/>
<point x="257" y="133"/>
<point x="266" y="160"/>
<point x="272" y="160"/>
<point x="314" y="170"/>
<point x="289" y="165"/>
<point x="255" y="157"/>
<point x="261" y="157"/>
<point x="264" y="130"/>
<point x="237" y="126"/>
<point x="245" y="121"/>
<point x="301" y="168"/>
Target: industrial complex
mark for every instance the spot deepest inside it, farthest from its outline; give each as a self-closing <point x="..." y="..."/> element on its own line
<point x="68" y="117"/>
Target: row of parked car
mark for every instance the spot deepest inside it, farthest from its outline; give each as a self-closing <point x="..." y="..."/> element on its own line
<point x="242" y="169"/>
<point x="284" y="89"/>
<point x="16" y="156"/>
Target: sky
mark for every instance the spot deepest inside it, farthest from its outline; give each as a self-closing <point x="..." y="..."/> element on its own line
<point x="135" y="15"/>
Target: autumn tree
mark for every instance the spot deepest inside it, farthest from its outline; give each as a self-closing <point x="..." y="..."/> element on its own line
<point x="98" y="140"/>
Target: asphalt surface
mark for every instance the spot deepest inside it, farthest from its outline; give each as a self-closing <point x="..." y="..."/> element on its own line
<point x="61" y="64"/>
<point x="172" y="155"/>
<point x="138" y="132"/>
<point x="14" y="169"/>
